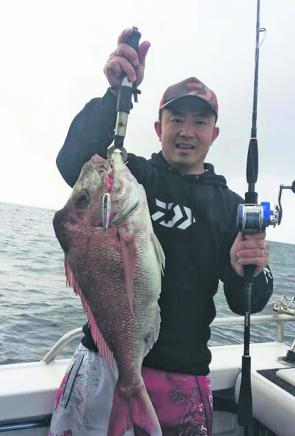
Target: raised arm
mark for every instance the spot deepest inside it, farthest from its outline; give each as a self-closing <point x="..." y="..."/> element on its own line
<point x="92" y="130"/>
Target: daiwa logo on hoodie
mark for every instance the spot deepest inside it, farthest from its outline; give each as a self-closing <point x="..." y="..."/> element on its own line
<point x="173" y="215"/>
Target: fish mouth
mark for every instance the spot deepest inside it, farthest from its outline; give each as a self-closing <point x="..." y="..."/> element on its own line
<point x="58" y="220"/>
<point x="59" y="228"/>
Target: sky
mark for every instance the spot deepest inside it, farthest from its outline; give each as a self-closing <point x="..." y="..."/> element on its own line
<point x="52" y="58"/>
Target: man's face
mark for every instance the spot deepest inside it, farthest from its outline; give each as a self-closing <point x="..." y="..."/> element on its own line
<point x="186" y="131"/>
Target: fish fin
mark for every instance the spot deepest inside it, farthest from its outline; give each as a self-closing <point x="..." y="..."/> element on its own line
<point x="151" y="339"/>
<point x="135" y="409"/>
<point x="128" y="250"/>
<point x="98" y="338"/>
<point x="159" y="251"/>
<point x="120" y="419"/>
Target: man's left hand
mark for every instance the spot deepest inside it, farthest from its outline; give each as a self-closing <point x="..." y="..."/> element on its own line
<point x="249" y="250"/>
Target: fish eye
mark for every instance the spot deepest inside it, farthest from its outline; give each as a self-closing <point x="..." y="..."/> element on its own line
<point x="83" y="198"/>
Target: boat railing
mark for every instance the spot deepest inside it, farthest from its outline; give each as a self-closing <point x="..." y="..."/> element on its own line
<point x="279" y="319"/>
<point x="61" y="344"/>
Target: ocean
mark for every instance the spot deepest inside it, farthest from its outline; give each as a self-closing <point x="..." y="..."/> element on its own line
<point x="37" y="308"/>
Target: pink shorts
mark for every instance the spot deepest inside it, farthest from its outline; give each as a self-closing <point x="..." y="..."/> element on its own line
<point x="183" y="403"/>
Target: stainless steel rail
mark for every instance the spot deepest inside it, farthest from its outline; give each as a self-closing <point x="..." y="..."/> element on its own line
<point x="25" y="425"/>
<point x="61" y="344"/>
<point x="280" y="321"/>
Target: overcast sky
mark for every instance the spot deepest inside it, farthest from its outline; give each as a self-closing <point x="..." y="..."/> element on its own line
<point x="53" y="53"/>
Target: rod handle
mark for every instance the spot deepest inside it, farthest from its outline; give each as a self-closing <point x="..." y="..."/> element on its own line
<point x="245" y="397"/>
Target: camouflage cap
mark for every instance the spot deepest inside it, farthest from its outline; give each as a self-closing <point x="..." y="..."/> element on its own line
<point x="191" y="86"/>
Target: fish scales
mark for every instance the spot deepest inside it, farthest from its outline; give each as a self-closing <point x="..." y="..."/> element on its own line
<point x="113" y="302"/>
<point x="114" y="262"/>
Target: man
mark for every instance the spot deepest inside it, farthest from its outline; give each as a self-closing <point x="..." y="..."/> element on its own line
<point x="193" y="214"/>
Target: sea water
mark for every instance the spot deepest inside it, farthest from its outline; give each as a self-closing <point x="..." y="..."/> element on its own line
<point x="37" y="308"/>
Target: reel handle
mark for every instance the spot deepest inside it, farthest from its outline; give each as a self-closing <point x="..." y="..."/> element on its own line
<point x="280" y="207"/>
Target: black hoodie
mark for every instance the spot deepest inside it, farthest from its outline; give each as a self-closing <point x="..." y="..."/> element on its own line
<point x="194" y="218"/>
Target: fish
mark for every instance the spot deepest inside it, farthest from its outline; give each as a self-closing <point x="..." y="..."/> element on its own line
<point x="114" y="262"/>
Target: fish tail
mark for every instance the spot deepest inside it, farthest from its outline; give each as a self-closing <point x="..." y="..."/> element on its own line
<point x="135" y="409"/>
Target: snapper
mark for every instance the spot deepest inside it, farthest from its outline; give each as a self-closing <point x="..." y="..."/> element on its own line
<point x="114" y="261"/>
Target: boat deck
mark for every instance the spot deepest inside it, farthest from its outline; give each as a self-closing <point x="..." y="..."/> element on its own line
<point x="28" y="389"/>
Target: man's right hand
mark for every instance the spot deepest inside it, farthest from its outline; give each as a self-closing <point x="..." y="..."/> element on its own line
<point x="125" y="61"/>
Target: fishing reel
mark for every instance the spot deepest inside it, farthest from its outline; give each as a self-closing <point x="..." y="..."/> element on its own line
<point x="254" y="218"/>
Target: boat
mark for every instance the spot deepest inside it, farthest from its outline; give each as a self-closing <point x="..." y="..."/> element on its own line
<point x="27" y="390"/>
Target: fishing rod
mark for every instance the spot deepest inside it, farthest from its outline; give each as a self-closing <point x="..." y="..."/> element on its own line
<point x="251" y="218"/>
<point x="124" y="101"/>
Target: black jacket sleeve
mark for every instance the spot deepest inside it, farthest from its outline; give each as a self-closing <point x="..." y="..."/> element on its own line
<point x="91" y="131"/>
<point x="237" y="297"/>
